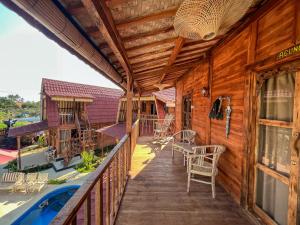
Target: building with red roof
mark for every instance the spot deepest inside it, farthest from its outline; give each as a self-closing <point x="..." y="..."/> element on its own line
<point x="74" y="111"/>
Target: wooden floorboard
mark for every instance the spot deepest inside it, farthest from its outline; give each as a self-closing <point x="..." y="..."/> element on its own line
<point x="156" y="193"/>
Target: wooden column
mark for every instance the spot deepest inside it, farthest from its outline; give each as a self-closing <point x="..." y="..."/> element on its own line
<point x="139" y="106"/>
<point x="19" y="151"/>
<point x="297" y="22"/>
<point x="249" y="123"/>
<point x="57" y="141"/>
<point x="129" y="105"/>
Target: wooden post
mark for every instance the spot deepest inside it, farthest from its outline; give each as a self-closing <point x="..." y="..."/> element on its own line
<point x="57" y="141"/>
<point x="129" y="105"/>
<point x="19" y="151"/>
<point x="139" y="106"/>
<point x="297" y="22"/>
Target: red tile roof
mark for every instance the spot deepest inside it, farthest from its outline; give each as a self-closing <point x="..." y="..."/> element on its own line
<point x="28" y="129"/>
<point x="166" y="95"/>
<point x="103" y="108"/>
<point x="117" y="130"/>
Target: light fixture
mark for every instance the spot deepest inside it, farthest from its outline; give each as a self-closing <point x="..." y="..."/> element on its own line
<point x="204" y="92"/>
<point x="206" y="19"/>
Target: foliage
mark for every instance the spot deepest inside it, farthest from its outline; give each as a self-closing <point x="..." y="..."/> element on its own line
<point x="42" y="141"/>
<point x="106" y="150"/>
<point x="14" y="106"/>
<point x="57" y="181"/>
<point x="20" y="123"/>
<point x="2" y="126"/>
<point x="89" y="162"/>
<point x="12" y="166"/>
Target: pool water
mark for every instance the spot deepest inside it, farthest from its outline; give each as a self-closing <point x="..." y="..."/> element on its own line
<point x="44" y="211"/>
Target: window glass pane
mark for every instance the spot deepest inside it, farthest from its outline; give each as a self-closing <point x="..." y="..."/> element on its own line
<point x="277" y="98"/>
<point x="274" y="148"/>
<point x="272" y="197"/>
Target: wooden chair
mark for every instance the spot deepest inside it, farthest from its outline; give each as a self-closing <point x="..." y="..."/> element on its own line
<point x="203" y="163"/>
<point x="9" y="180"/>
<point x="161" y="129"/>
<point x="42" y="181"/>
<point x="182" y="142"/>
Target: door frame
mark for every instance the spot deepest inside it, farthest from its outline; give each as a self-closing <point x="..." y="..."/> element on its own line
<point x="187" y="95"/>
<point x="257" y="80"/>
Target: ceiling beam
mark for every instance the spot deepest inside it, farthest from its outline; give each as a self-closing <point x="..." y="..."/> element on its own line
<point x="75" y="8"/>
<point x="147" y="34"/>
<point x="151" y="45"/>
<point x="113" y="3"/>
<point x="101" y="16"/>
<point x="177" y="48"/>
<point x="152" y="53"/>
<point x="143" y="19"/>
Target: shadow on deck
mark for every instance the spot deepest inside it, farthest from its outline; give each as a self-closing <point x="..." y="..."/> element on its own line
<point x="156" y="193"/>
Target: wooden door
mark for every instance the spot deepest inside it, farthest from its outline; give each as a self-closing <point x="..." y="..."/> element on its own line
<point x="187" y="112"/>
<point x="277" y="158"/>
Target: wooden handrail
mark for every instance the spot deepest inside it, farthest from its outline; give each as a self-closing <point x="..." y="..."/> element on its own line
<point x="114" y="172"/>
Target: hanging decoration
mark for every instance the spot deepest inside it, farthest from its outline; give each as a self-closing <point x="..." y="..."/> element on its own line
<point x="217" y="112"/>
<point x="206" y="19"/>
<point x="228" y="111"/>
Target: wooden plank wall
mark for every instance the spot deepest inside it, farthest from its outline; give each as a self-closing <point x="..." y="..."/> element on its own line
<point x="275" y="32"/>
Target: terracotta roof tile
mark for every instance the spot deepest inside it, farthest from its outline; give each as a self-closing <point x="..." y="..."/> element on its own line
<point x="103" y="108"/>
<point x="28" y="129"/>
<point x="167" y="95"/>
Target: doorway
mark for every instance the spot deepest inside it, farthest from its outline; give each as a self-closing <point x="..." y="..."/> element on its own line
<point x="187" y="112"/>
<point x="276" y="149"/>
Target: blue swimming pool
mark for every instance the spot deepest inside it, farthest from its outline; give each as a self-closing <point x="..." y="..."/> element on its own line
<point x="44" y="210"/>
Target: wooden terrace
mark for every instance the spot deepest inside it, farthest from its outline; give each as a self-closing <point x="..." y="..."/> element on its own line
<point x="156" y="193"/>
<point x="243" y="73"/>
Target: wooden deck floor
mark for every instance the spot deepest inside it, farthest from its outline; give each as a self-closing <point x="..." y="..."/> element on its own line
<point x="156" y="193"/>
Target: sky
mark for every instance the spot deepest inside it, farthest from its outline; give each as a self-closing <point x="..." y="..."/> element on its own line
<point x="27" y="56"/>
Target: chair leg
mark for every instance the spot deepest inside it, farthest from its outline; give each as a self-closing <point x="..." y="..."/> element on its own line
<point x="213" y="187"/>
<point x="172" y="152"/>
<point x="188" y="182"/>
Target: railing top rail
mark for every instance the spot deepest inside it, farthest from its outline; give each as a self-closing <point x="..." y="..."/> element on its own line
<point x="67" y="213"/>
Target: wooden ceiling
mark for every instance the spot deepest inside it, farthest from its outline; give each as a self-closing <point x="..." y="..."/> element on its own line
<point x="137" y="37"/>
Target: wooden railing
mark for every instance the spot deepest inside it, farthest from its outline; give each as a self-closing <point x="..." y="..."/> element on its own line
<point x="97" y="201"/>
<point x="66" y="118"/>
<point x="147" y="126"/>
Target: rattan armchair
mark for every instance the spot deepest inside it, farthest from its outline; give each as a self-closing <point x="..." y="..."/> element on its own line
<point x="182" y="142"/>
<point x="204" y="163"/>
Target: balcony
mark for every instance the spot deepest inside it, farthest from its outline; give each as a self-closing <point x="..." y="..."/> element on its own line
<point x="147" y="188"/>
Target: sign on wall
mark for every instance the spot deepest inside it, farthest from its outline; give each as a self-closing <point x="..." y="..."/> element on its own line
<point x="289" y="52"/>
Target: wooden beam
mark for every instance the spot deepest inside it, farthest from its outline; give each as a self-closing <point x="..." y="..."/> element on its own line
<point x="177" y="48"/>
<point x="143" y="19"/>
<point x="150" y="53"/>
<point x="152" y="60"/>
<point x="75" y="9"/>
<point x="152" y="57"/>
<point x="151" y="45"/>
<point x="297" y="22"/>
<point x="102" y="17"/>
<point x="147" y="34"/>
<point x="113" y="3"/>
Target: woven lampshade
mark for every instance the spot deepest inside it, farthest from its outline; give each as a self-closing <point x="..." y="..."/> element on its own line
<point x="206" y="19"/>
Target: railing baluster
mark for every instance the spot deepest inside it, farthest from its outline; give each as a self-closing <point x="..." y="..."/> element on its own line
<point x="119" y="177"/>
<point x="107" y="195"/>
<point x="116" y="168"/>
<point x="99" y="202"/>
<point x="113" y="189"/>
<point x="87" y="210"/>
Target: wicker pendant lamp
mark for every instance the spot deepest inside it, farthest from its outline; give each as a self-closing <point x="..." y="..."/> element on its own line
<point x="206" y="19"/>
